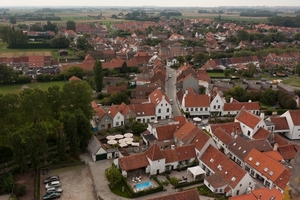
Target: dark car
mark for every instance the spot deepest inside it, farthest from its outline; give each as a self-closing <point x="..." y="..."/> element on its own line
<point x="53" y="195"/>
<point x="51" y="178"/>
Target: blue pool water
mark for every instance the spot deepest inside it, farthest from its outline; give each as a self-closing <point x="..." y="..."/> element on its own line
<point x="143" y="185"/>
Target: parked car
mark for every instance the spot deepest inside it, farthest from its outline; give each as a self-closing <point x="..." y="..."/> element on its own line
<point x="54" y="189"/>
<point x="52" y="184"/>
<point x="51" y="178"/>
<point x="53" y="195"/>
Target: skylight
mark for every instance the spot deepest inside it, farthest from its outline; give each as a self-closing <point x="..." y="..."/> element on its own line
<point x="250" y="158"/>
<point x="234" y="144"/>
<point x="233" y="179"/>
<point x="257" y="163"/>
<point x="244" y="151"/>
<point x="265" y="169"/>
<point x="271" y="173"/>
<point x="211" y="160"/>
<point x="240" y="148"/>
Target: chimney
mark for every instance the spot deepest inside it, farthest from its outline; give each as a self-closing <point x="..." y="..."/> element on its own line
<point x="262" y="115"/>
<point x="172" y="146"/>
<point x="231" y="99"/>
<point x="276" y="145"/>
<point x="250" y="101"/>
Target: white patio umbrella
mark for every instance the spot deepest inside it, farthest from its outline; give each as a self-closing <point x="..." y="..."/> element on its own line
<point x="110" y="137"/>
<point x="128" y="142"/>
<point x="119" y="136"/>
<point x="122" y="141"/>
<point x="112" y="142"/>
<point x="136" y="144"/>
<point x="123" y="145"/>
<point x="128" y="135"/>
<point x="197" y="119"/>
<point x="128" y="139"/>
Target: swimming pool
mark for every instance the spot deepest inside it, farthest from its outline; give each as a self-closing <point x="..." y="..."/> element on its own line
<point x="141" y="186"/>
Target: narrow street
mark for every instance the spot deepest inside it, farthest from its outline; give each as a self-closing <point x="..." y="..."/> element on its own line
<point x="171" y="90"/>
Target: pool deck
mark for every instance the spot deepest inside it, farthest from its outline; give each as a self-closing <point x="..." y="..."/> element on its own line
<point x="144" y="178"/>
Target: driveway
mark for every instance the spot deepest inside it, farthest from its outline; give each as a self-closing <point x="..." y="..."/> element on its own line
<point x="171" y="90"/>
<point x="76" y="182"/>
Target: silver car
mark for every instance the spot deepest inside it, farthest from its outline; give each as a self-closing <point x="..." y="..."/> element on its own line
<point x="52" y="184"/>
<point x="54" y="189"/>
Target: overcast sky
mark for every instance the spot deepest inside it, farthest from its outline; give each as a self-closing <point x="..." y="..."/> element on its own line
<point x="188" y="3"/>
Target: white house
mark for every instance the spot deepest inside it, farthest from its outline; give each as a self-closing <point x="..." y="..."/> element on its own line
<point x="163" y="108"/>
<point x="196" y="104"/>
<point x="144" y="113"/>
<point x="216" y="103"/>
<point x="234" y="107"/>
<point x="223" y="175"/>
<point x="250" y="123"/>
<point x="118" y="118"/>
<point x="171" y="62"/>
<point x="293" y="120"/>
<point x="156" y="159"/>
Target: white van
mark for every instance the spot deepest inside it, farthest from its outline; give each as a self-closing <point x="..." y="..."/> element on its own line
<point x="170" y="75"/>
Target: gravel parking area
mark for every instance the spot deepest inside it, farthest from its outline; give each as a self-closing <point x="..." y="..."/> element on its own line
<point x="75" y="181"/>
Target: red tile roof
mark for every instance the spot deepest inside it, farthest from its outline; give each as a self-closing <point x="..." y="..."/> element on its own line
<point x="248" y="118"/>
<point x="199" y="100"/>
<point x="288" y="151"/>
<point x="261" y="133"/>
<point x="143" y="109"/>
<point x="224" y="167"/>
<point x="200" y="140"/>
<point x="130" y="162"/>
<point x="157" y="95"/>
<point x="181" y="119"/>
<point x="275" y="155"/>
<point x="187" y="194"/>
<point x="180" y="153"/>
<point x="264" y="164"/>
<point x="187" y="132"/>
<point x="166" y="132"/>
<point x="240" y="105"/>
<point x="280" y="123"/>
<point x="111" y="89"/>
<point x="223" y="136"/>
<point x="227" y="127"/>
<point x="283" y="179"/>
<point x="74" y="78"/>
<point x="154" y="153"/>
<point x="280" y="140"/>
<point x="295" y="115"/>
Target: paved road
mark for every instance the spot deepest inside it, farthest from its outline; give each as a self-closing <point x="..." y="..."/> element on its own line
<point x="171" y="90"/>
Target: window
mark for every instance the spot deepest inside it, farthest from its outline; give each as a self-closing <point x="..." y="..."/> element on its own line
<point x="196" y="109"/>
<point x="218" y="106"/>
<point x="102" y="126"/>
<point x="118" y="117"/>
<point x="168" y="110"/>
<point x="159" y="110"/>
<point x="117" y="123"/>
<point x="187" y="109"/>
<point x="214" y="107"/>
<point x="161" y="105"/>
<point x="249" y="183"/>
<point x="248" y="133"/>
<point x="216" y="190"/>
<point x="206" y="109"/>
<point x="192" y="109"/>
<point x="237" y="192"/>
<point x="201" y="109"/>
<point x="217" y="101"/>
<point x="240" y="185"/>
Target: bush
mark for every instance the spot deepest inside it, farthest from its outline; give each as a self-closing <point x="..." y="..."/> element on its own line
<point x="21" y="190"/>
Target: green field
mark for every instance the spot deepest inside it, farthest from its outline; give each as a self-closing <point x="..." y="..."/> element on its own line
<point x="5" y="89"/>
<point x="215" y="74"/>
<point x="292" y="80"/>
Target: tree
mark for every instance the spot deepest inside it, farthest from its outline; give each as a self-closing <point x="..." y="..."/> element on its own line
<point x="243" y="35"/>
<point x="202" y="89"/>
<point x="237" y="92"/>
<point x="118" y="98"/>
<point x="50" y="27"/>
<point x="227" y="72"/>
<point x="180" y="60"/>
<point x="113" y="175"/>
<point x="73" y="71"/>
<point x="200" y="58"/>
<point x="70" y="130"/>
<point x="174" y="181"/>
<point x="137" y="127"/>
<point x="81" y="43"/>
<point x="297" y="70"/>
<point x="60" y="42"/>
<point x="188" y="57"/>
<point x="7" y="183"/>
<point x="71" y="25"/>
<point x="124" y="68"/>
<point x="83" y="128"/>
<point x="98" y="76"/>
<point x="13" y="20"/>
<point x="269" y="97"/>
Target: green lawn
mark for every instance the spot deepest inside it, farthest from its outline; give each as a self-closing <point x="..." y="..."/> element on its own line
<point x="117" y="189"/>
<point x="215" y="74"/>
<point x="292" y="80"/>
<point x="5" y="89"/>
